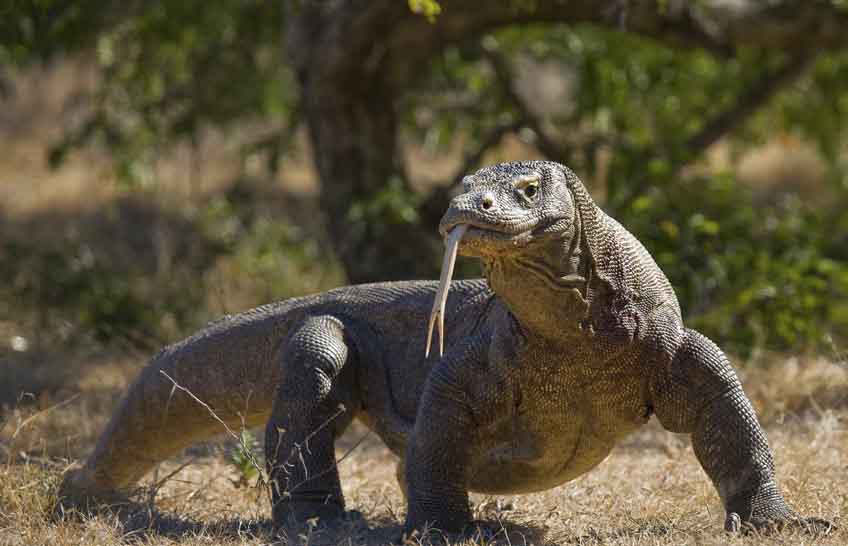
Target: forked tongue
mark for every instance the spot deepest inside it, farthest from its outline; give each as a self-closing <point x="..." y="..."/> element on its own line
<point x="438" y="311"/>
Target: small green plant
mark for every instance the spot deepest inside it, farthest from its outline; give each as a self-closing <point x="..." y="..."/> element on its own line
<point x="244" y="457"/>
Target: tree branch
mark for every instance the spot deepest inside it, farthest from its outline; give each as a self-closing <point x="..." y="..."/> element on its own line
<point x="751" y="100"/>
<point x="503" y="72"/>
<point x="748" y="103"/>
<point x="489" y="141"/>
<point x="715" y="25"/>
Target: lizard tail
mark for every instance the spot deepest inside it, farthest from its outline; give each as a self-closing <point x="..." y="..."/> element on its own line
<point x="191" y="391"/>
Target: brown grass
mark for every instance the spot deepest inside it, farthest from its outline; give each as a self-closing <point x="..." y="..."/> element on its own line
<point x="650" y="490"/>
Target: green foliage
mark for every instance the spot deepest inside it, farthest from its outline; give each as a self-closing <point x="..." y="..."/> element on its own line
<point x="86" y="287"/>
<point x="767" y="276"/>
<point x="88" y="291"/>
<point x="388" y="208"/>
<point x="281" y="259"/>
<point x="428" y="8"/>
<point x="169" y="69"/>
<point x="40" y="29"/>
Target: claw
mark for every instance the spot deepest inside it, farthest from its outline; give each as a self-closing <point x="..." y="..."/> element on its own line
<point x="733" y="523"/>
<point x="438" y="311"/>
<point x="814" y="526"/>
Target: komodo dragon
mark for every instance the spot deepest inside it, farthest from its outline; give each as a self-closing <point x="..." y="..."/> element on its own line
<point x="573" y="340"/>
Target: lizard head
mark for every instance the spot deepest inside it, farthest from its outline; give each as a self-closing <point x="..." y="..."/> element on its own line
<point x="508" y="207"/>
<point x="505" y="211"/>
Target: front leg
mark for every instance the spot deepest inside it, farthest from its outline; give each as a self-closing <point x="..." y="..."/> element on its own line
<point x="439" y="449"/>
<point x="700" y="394"/>
<point x="313" y="405"/>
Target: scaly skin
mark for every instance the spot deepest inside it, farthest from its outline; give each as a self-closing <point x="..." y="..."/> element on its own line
<point x="571" y="342"/>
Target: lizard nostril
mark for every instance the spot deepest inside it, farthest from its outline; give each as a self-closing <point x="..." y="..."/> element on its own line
<point x="487" y="201"/>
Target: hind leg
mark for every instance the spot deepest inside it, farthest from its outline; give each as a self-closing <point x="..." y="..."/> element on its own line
<point x="315" y="401"/>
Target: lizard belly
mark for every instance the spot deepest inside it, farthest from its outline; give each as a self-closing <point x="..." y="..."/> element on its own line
<point x="554" y="437"/>
<point x="528" y="463"/>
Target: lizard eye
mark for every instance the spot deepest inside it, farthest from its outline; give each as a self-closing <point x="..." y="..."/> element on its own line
<point x="527" y="187"/>
<point x="528" y="190"/>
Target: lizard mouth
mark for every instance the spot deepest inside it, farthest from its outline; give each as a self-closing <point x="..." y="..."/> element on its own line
<point x="482" y="231"/>
<point x="474" y="236"/>
<point x="477" y="239"/>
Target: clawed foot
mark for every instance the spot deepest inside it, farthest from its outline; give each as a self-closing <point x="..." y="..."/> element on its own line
<point x="79" y="495"/>
<point x="812" y="525"/>
<point x="477" y="533"/>
<point x="307" y="520"/>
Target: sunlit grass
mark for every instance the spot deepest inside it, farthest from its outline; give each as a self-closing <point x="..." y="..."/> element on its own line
<point x="650" y="490"/>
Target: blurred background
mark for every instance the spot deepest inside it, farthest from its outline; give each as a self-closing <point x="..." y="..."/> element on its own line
<point x="165" y="162"/>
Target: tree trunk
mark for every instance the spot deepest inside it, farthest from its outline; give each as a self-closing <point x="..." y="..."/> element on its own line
<point x="349" y="95"/>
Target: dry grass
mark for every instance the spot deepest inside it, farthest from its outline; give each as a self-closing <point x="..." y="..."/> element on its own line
<point x="650" y="491"/>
